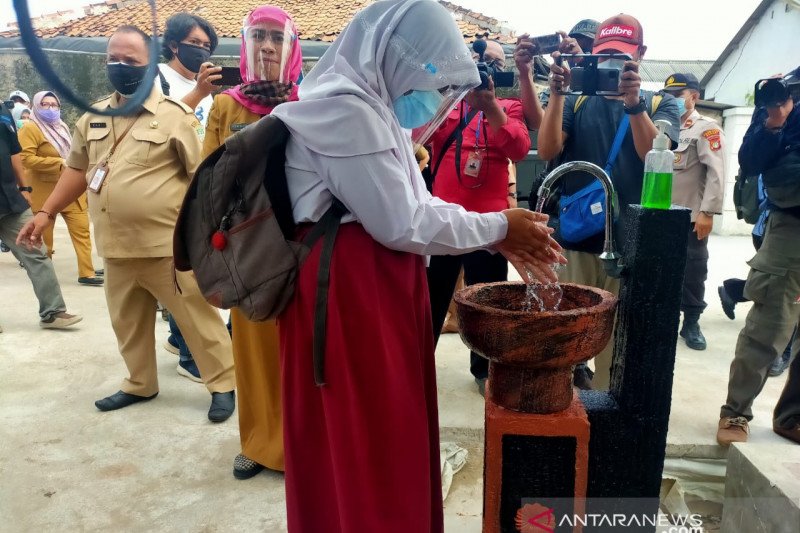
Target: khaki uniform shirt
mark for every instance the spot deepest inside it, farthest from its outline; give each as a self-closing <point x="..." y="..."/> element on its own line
<point x="699" y="169"/>
<point x="135" y="211"/>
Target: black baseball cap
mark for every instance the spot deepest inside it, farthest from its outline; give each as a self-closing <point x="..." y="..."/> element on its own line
<point x="678" y="82"/>
<point x="584" y="28"/>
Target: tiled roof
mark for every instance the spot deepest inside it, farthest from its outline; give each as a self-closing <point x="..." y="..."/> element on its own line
<point x="317" y="20"/>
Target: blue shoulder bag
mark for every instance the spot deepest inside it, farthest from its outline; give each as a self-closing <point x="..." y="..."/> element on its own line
<point x="582" y="215"/>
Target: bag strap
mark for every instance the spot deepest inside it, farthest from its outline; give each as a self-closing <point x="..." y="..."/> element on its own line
<point x="455" y="134"/>
<point x="615" y="147"/>
<point x="328" y="226"/>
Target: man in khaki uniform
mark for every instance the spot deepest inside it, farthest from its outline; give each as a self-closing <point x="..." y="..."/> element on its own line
<point x="698" y="183"/>
<point x="135" y="191"/>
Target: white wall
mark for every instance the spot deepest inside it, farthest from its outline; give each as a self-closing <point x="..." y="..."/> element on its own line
<point x="770" y="47"/>
<point x="736" y="122"/>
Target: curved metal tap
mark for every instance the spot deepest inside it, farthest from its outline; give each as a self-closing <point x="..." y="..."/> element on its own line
<point x="610" y="257"/>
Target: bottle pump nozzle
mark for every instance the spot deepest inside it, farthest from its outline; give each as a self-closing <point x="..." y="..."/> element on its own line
<point x="661" y="141"/>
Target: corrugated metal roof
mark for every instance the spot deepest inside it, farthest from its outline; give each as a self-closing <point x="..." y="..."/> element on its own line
<point x="658" y="70"/>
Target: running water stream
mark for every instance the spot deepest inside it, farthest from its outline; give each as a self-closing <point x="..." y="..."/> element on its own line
<point x="542" y="296"/>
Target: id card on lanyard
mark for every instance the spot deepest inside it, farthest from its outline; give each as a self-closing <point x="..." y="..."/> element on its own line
<point x="472" y="168"/>
<point x="100" y="172"/>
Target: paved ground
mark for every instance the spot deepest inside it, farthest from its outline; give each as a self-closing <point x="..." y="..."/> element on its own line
<point x="161" y="466"/>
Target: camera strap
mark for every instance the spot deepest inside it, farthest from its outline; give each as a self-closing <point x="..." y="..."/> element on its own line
<point x="456" y="134"/>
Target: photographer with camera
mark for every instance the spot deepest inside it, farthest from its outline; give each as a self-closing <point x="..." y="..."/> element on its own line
<point x="581" y="128"/>
<point x="471" y="150"/>
<point x="771" y="147"/>
<point x="527" y="57"/>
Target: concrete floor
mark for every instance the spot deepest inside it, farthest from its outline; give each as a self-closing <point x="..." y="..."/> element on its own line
<point x="161" y="466"/>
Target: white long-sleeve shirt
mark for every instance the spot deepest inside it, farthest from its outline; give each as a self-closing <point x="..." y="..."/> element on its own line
<point x="379" y="196"/>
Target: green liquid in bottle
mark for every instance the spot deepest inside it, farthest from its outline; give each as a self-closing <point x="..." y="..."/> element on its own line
<point x="657" y="190"/>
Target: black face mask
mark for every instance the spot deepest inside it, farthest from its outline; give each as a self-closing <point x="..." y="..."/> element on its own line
<point x="125" y="78"/>
<point x="192" y="56"/>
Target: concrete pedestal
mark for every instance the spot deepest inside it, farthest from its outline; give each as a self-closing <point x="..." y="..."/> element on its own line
<point x="536" y="466"/>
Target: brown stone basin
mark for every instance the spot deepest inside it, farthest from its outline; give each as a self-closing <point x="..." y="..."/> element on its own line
<point x="532" y="353"/>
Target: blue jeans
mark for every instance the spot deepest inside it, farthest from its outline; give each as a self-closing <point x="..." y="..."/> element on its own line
<point x="176" y="339"/>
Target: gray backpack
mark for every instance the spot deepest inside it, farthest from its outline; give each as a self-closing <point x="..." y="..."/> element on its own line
<point x="236" y="231"/>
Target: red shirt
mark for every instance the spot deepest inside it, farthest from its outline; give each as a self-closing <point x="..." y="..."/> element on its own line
<point x="488" y="191"/>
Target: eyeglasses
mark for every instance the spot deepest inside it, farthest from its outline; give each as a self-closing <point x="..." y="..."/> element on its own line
<point x="49" y="106"/>
<point x="276" y="36"/>
<point x="198" y="43"/>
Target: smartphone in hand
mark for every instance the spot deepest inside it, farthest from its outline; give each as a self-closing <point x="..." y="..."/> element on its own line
<point x="230" y="76"/>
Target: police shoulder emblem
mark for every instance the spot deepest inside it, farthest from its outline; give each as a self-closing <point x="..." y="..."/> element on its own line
<point x="714" y="139"/>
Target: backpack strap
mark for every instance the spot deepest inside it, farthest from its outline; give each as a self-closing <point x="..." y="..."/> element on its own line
<point x="328" y="226"/>
<point x="579" y="102"/>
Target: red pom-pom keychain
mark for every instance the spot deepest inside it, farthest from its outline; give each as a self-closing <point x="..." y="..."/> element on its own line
<point x="219" y="241"/>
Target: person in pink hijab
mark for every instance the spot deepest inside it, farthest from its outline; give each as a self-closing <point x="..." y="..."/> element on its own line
<point x="46" y="141"/>
<point x="271" y="63"/>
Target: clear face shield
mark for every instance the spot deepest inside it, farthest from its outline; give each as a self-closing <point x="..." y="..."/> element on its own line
<point x="450" y="97"/>
<point x="268" y="46"/>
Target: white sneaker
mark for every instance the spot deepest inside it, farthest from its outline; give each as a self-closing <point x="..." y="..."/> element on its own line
<point x="171" y="348"/>
<point x="62" y="320"/>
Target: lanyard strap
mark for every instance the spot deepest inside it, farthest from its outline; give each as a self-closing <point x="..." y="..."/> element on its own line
<point x="615" y="147"/>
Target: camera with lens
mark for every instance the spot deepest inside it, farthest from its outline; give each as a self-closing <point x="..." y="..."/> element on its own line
<point x="773" y="92"/>
<point x="592" y="77"/>
<point x="8" y="104"/>
<point x="488" y="70"/>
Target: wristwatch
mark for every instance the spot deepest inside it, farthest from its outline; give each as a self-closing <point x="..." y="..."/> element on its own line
<point x="25" y="189"/>
<point x="635" y="110"/>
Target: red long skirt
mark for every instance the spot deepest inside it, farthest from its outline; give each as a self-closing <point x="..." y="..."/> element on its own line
<point x="362" y="452"/>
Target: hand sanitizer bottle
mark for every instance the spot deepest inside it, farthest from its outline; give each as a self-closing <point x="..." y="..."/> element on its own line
<point x="657" y="186"/>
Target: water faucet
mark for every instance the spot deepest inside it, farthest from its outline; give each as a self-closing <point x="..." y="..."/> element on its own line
<point x="610" y="257"/>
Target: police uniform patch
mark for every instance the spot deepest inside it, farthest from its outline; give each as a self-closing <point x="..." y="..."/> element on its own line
<point x="714" y="139"/>
<point x="678" y="157"/>
<point x="238" y="126"/>
<point x="97" y="125"/>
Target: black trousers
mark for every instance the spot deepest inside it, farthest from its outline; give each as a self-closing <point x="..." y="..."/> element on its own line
<point x="479" y="267"/>
<point x="694" y="277"/>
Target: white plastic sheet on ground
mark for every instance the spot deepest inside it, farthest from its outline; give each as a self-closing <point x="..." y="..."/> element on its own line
<point x="452" y="457"/>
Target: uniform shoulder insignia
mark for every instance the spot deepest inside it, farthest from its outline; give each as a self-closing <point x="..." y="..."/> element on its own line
<point x="714" y="139"/>
<point x="182" y="105"/>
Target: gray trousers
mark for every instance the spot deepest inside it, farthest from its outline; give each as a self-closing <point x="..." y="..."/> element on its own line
<point x="38" y="266"/>
<point x="774" y="287"/>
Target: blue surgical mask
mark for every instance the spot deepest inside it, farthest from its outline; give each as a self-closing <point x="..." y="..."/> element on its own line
<point x="681" y="105"/>
<point x="416" y="108"/>
<point x="51" y="116"/>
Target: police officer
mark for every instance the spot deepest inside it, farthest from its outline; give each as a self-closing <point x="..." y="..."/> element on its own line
<point x="137" y="170"/>
<point x="698" y="184"/>
<point x="771" y="147"/>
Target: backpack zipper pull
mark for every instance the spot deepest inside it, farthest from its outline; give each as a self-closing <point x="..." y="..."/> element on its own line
<point x="219" y="241"/>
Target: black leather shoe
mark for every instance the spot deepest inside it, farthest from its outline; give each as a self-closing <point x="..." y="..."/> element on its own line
<point x="481" y="383"/>
<point x="100" y="272"/>
<point x="222" y="406"/>
<point x="120" y="399"/>
<point x="693" y="336"/>
<point x="94" y="281"/>
<point x="728" y="305"/>
<point x="582" y="377"/>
